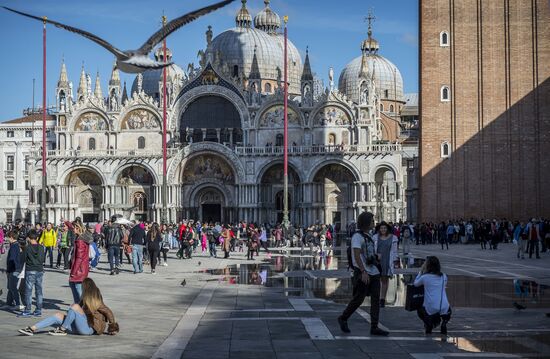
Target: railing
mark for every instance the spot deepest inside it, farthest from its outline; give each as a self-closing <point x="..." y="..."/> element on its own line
<point x="9" y="173"/>
<point x="104" y="153"/>
<point x="319" y="149"/>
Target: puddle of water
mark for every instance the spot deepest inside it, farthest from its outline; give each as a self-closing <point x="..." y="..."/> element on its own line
<point x="462" y="291"/>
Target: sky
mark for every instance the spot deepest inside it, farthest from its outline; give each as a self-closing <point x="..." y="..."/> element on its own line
<point x="333" y="31"/>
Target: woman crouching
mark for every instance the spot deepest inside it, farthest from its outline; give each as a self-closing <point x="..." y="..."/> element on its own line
<point x="436" y="308"/>
<point x="90" y="316"/>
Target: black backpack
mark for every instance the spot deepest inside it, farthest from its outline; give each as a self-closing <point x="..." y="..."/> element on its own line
<point x="114" y="236"/>
<point x="350" y="260"/>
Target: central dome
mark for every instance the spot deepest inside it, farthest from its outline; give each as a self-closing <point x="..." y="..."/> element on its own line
<point x="236" y="48"/>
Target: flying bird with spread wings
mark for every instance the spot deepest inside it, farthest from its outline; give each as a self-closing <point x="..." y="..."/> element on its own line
<point x="136" y="61"/>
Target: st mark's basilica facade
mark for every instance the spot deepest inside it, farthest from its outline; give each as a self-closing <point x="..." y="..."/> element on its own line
<point x="225" y="137"/>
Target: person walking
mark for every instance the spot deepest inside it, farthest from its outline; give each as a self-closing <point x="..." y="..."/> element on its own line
<point x="14" y="266"/>
<point x="385" y="246"/>
<point x="435" y="308"/>
<point x="521" y="239"/>
<point x="89" y="316"/>
<point x="226" y="234"/>
<point x="113" y="239"/>
<point x="153" y="245"/>
<point x="165" y="245"/>
<point x="137" y="239"/>
<point x="263" y="239"/>
<point x="48" y="239"/>
<point x="80" y="260"/>
<point x="533" y="235"/>
<point x="366" y="275"/>
<point x="63" y="249"/>
<point x="451" y="231"/>
<point x="34" y="274"/>
<point x="212" y="238"/>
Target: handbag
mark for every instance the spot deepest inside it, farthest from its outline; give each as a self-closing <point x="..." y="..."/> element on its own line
<point x="415" y="298"/>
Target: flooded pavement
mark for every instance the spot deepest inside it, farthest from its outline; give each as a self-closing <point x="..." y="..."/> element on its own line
<point x="326" y="277"/>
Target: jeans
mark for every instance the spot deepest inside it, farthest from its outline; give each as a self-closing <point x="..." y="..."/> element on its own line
<point x="76" y="289"/>
<point x="73" y="321"/>
<point x="48" y="250"/>
<point x="360" y="291"/>
<point x="534" y="247"/>
<point x="113" y="254"/>
<point x="137" y="257"/>
<point x="13" y="293"/>
<point x="63" y="252"/>
<point x="153" y="254"/>
<point x="33" y="279"/>
<point x="212" y="248"/>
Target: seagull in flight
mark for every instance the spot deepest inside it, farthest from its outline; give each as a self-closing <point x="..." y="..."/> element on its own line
<point x="136" y="61"/>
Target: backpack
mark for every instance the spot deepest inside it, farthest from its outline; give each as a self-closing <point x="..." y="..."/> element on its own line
<point x="114" y="236"/>
<point x="350" y="260"/>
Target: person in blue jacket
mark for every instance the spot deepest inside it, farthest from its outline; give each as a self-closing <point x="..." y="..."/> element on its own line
<point x="14" y="266"/>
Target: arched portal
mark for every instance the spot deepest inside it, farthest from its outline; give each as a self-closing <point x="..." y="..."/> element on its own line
<point x="211" y="202"/>
<point x="272" y="197"/>
<point x="86" y="193"/>
<point x="134" y="189"/>
<point x="333" y="192"/>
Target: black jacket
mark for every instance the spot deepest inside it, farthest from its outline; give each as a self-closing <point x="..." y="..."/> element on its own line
<point x="137" y="235"/>
<point x="34" y="258"/>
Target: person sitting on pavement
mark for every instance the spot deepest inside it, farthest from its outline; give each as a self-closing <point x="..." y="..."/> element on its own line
<point x="90" y="316"/>
<point x="436" y="308"/>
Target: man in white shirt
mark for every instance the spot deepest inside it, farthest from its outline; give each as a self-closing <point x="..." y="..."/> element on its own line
<point x="366" y="275"/>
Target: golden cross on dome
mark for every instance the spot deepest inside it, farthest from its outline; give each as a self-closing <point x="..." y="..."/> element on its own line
<point x="370" y="19"/>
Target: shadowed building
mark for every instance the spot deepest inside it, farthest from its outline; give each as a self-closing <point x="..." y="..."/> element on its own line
<point x="485" y="109"/>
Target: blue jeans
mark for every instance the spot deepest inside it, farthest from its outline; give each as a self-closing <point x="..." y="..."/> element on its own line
<point x="212" y="248"/>
<point x="48" y="251"/>
<point x="33" y="279"/>
<point x="75" y="322"/>
<point x="13" y="293"/>
<point x="113" y="254"/>
<point x="76" y="289"/>
<point x="137" y="257"/>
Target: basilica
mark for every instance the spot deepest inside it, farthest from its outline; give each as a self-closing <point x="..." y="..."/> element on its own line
<point x="225" y="137"/>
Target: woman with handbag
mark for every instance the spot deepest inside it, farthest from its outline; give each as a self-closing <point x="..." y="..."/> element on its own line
<point x="436" y="308"/>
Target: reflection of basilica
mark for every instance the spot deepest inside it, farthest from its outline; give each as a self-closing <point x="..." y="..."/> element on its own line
<point x="225" y="135"/>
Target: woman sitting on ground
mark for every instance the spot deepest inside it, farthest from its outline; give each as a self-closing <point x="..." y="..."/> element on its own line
<point x="89" y="317"/>
<point x="436" y="308"/>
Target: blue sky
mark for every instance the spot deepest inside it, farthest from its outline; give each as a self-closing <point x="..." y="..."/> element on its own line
<point x="333" y="30"/>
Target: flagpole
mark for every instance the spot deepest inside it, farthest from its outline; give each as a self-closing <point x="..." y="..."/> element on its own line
<point x="44" y="214"/>
<point x="164" y="160"/>
<point x="285" y="163"/>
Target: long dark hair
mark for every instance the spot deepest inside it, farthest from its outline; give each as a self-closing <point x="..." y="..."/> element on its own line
<point x="154" y="231"/>
<point x="433" y="266"/>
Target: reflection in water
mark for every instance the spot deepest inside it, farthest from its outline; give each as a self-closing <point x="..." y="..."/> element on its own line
<point x="462" y="291"/>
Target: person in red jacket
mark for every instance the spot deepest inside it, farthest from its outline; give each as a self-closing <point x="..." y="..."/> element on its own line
<point x="80" y="261"/>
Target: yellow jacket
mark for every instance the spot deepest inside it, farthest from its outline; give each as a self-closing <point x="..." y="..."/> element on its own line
<point x="48" y="238"/>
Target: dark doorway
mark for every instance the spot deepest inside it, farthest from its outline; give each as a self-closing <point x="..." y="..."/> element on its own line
<point x="90" y="217"/>
<point x="211" y="213"/>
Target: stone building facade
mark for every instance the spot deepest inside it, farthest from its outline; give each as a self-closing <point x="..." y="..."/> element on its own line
<point x="225" y="136"/>
<point x="485" y="109"/>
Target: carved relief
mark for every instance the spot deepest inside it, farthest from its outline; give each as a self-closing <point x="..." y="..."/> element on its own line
<point x="274" y="117"/>
<point x="334" y="173"/>
<point x="135" y="175"/>
<point x="332" y="116"/>
<point x="91" y="121"/>
<point x="140" y="119"/>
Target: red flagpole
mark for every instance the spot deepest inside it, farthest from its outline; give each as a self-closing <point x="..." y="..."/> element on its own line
<point x="44" y="214"/>
<point x="164" y="159"/>
<point x="285" y="165"/>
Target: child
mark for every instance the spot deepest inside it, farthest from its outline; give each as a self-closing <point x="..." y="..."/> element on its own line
<point x="203" y="242"/>
<point x="34" y="274"/>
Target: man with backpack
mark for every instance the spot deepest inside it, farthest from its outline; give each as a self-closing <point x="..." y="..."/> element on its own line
<point x="366" y="275"/>
<point x="113" y="239"/>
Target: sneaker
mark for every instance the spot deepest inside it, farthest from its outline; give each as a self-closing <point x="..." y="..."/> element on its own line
<point x="24" y="314"/>
<point x="37" y="313"/>
<point x="117" y="271"/>
<point x="343" y="325"/>
<point x="444" y="328"/>
<point x="21" y="308"/>
<point x="60" y="331"/>
<point x="378" y="331"/>
<point x="112" y="273"/>
<point x="26" y="331"/>
<point x="153" y="272"/>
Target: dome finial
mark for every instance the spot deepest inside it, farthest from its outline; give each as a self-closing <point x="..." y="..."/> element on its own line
<point x="370" y="45"/>
<point x="243" y="18"/>
<point x="267" y="20"/>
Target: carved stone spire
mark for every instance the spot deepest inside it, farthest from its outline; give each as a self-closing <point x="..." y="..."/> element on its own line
<point x="97" y="89"/>
<point x="82" y="85"/>
<point x="307" y="75"/>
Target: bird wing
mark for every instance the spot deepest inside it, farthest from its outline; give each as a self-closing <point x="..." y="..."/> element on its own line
<point x="175" y="24"/>
<point x="86" y="34"/>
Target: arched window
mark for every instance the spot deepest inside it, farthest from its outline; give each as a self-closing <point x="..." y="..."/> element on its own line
<point x="267" y="87"/>
<point x="445" y="93"/>
<point x="445" y="149"/>
<point x="279" y="140"/>
<point x="141" y="142"/>
<point x="331" y="139"/>
<point x="444" y="38"/>
<point x="236" y="71"/>
<point x="391" y="108"/>
<point x="140" y="202"/>
<point x="381" y="107"/>
<point x="91" y="144"/>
